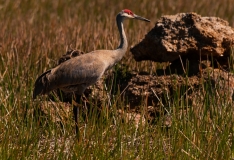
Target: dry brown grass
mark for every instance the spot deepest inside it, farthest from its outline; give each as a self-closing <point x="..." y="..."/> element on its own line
<point x="33" y="34"/>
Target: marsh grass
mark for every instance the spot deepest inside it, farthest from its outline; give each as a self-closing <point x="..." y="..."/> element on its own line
<point x="35" y="33"/>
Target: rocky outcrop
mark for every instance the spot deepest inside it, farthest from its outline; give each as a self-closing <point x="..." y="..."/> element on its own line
<point x="192" y="44"/>
<point x="185" y="34"/>
<point x="160" y="90"/>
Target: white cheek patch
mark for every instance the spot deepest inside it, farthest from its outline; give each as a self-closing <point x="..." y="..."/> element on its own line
<point x="127" y="15"/>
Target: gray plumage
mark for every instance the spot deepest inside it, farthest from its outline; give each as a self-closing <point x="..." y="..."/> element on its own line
<point x="76" y="74"/>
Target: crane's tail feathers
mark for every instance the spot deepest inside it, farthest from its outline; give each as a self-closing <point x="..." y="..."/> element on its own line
<point x="40" y="86"/>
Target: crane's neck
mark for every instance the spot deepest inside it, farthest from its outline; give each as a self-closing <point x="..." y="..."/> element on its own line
<point x="117" y="54"/>
<point x="123" y="39"/>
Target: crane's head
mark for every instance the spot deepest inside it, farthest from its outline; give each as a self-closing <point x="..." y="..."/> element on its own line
<point x="129" y="14"/>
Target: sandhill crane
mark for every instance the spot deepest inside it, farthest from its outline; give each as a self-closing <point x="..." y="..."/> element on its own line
<point x="76" y="74"/>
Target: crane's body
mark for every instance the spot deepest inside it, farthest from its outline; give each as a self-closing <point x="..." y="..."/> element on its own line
<point x="91" y="68"/>
<point x="76" y="74"/>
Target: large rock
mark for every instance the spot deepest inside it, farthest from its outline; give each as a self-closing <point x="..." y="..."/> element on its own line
<point x="185" y="34"/>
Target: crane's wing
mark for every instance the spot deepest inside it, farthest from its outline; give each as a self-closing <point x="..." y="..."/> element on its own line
<point x="80" y="71"/>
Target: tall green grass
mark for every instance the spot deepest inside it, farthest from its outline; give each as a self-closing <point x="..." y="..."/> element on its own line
<point x="33" y="34"/>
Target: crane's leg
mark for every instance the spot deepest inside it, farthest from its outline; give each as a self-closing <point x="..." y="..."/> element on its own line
<point x="76" y="114"/>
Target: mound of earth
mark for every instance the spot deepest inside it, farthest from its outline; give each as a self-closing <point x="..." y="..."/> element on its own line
<point x="190" y="43"/>
<point x="186" y="34"/>
<point x="160" y="90"/>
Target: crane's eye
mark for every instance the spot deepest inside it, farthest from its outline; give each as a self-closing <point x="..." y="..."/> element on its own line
<point x="130" y="13"/>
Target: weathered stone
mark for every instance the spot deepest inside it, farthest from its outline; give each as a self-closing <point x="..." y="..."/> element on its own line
<point x="160" y="90"/>
<point x="185" y="34"/>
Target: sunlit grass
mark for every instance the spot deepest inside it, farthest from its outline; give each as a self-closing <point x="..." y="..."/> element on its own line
<point x="35" y="33"/>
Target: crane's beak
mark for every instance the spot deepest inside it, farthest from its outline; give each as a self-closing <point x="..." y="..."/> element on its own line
<point x="141" y="18"/>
